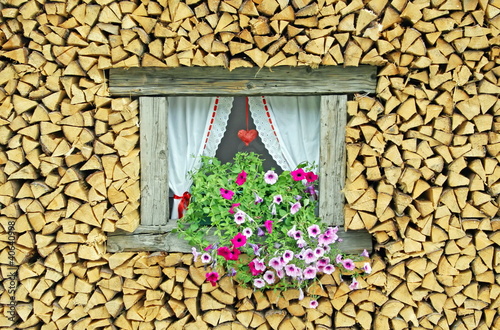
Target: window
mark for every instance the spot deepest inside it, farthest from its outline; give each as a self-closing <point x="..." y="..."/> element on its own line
<point x="153" y="86"/>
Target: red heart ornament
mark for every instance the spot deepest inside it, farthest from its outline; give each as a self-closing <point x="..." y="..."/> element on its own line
<point x="247" y="136"/>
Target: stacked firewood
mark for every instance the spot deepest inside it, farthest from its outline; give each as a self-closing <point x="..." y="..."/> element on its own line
<point x="422" y="158"/>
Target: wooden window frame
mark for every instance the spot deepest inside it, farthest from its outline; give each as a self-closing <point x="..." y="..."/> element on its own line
<point x="154" y="85"/>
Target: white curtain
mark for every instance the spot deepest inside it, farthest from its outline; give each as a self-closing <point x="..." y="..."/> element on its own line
<point x="196" y="126"/>
<point x="289" y="127"/>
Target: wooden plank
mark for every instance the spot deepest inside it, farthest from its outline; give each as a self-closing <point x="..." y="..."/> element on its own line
<point x="154" y="161"/>
<point x="242" y="81"/>
<point x="332" y="157"/>
<point x="160" y="238"/>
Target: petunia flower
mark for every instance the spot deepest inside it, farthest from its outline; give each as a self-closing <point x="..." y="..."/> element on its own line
<point x="247" y="232"/>
<point x="196" y="254"/>
<point x="269" y="226"/>
<point x="348" y="264"/>
<point x="310" y="272"/>
<point x="367" y="268"/>
<point x="280" y="273"/>
<point x="256" y="267"/>
<point x="273" y="209"/>
<point x="256" y="249"/>
<point x="277" y="199"/>
<point x="224" y="252"/>
<point x="301" y="294"/>
<point x="298" y="174"/>
<point x="310" y="256"/>
<point x="295" y="207"/>
<point x="259" y="283"/>
<point x="292" y="231"/>
<point x="242" y="178"/>
<point x="311" y="177"/>
<point x="239" y="240"/>
<point x="232" y="272"/>
<point x="231" y="209"/>
<point x="235" y="254"/>
<point x="313" y="304"/>
<point x="258" y="199"/>
<point x="269" y="277"/>
<point x="212" y="277"/>
<point x="260" y="232"/>
<point x="338" y="258"/>
<point x="226" y="193"/>
<point x="276" y="263"/>
<point x="270" y="177"/>
<point x="292" y="270"/>
<point x="365" y="254"/>
<point x="328" y="269"/>
<point x="301" y="243"/>
<point x="319" y="252"/>
<point x="239" y="217"/>
<point x="313" y="230"/>
<point x="206" y="258"/>
<point x="287" y="256"/>
<point x="354" y="285"/>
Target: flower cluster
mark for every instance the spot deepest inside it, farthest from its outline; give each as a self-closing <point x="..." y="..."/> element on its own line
<point x="268" y="233"/>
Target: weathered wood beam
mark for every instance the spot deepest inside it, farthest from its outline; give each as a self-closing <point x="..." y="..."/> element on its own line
<point x="242" y="81"/>
<point x="161" y="238"/>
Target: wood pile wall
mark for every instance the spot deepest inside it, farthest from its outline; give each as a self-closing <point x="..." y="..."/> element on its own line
<point x="423" y="153"/>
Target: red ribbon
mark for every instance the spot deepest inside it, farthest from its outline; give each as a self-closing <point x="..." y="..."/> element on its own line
<point x="183" y="204"/>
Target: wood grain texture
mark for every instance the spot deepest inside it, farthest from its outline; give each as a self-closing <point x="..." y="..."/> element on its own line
<point x="332" y="158"/>
<point x="242" y="81"/>
<point x="154" y="161"/>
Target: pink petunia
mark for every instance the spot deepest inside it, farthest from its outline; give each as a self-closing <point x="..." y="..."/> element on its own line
<point x="258" y="199"/>
<point x="224" y="252"/>
<point x="226" y="193"/>
<point x="242" y="178"/>
<point x="294" y="208"/>
<point x="239" y="217"/>
<point x="287" y="256"/>
<point x="276" y="263"/>
<point x="231" y="209"/>
<point x="248" y="232"/>
<point x="367" y="268"/>
<point x="313" y="304"/>
<point x="269" y="226"/>
<point x="319" y="252"/>
<point x="196" y="254"/>
<point x="259" y="283"/>
<point x="206" y="258"/>
<point x="365" y="254"/>
<point x="298" y="174"/>
<point x="348" y="264"/>
<point x="354" y="285"/>
<point x="270" y="177"/>
<point x="212" y="277"/>
<point x="277" y="199"/>
<point x="338" y="258"/>
<point x="269" y="277"/>
<point x="328" y="269"/>
<point x="309" y="256"/>
<point x="313" y="230"/>
<point x="239" y="240"/>
<point x="310" y="272"/>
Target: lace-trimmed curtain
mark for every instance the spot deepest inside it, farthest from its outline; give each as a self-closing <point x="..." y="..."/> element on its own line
<point x="196" y="127"/>
<point x="289" y="127"/>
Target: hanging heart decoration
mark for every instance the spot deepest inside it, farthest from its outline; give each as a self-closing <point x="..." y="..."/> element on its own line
<point x="247" y="136"/>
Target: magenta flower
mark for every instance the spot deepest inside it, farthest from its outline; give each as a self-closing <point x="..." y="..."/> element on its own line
<point x="231" y="210"/>
<point x="239" y="240"/>
<point x="319" y="252"/>
<point x="325" y="240"/>
<point x="280" y="273"/>
<point x="313" y="304"/>
<point x="259" y="283"/>
<point x="269" y="226"/>
<point x="212" y="277"/>
<point x="295" y="207"/>
<point x="208" y="248"/>
<point x="292" y="270"/>
<point x="270" y="177"/>
<point x="310" y="272"/>
<point x="311" y="177"/>
<point x="298" y="174"/>
<point x="269" y="277"/>
<point x="365" y="254"/>
<point x="301" y="243"/>
<point x="254" y="271"/>
<point x="367" y="268"/>
<point x="242" y="178"/>
<point x="239" y="217"/>
<point x="338" y="259"/>
<point x="313" y="230"/>
<point x="321" y="263"/>
<point x="226" y="193"/>
<point x="224" y="252"/>
<point x="354" y="285"/>
<point x="277" y="199"/>
<point x="348" y="264"/>
<point x="287" y="256"/>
